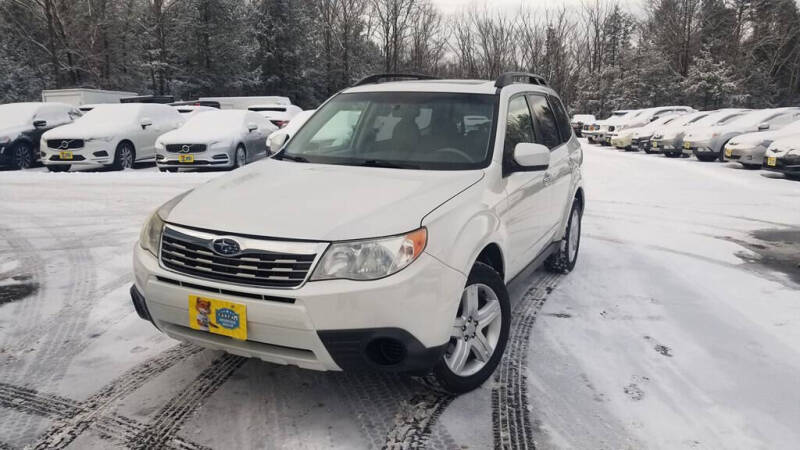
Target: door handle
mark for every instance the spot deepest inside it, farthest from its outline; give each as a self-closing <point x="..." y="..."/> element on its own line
<point x="547" y="179"/>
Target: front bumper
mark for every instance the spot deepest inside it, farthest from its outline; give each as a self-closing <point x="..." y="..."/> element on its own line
<point x="787" y="164"/>
<point x="690" y="146"/>
<point x="93" y="153"/>
<point x="323" y="325"/>
<point x="746" y="155"/>
<point x="621" y="141"/>
<point x="211" y="157"/>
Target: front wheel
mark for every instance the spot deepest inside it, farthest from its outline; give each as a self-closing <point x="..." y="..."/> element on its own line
<point x="479" y="332"/>
<point x="241" y="157"/>
<point x="22" y="156"/>
<point x="705" y="158"/>
<point x="564" y="259"/>
<point x="124" y="156"/>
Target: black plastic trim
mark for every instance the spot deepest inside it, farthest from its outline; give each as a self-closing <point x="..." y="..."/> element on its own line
<point x="348" y="348"/>
<point x="140" y="305"/>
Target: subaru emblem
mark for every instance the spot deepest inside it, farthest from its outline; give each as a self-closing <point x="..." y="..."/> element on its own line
<point x="226" y="247"/>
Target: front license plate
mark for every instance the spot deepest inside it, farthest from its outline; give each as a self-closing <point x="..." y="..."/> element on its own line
<point x="65" y="155"/>
<point x="218" y="316"/>
<point x="772" y="161"/>
<point x="687" y="145"/>
<point x="655" y="144"/>
<point x="186" y="158"/>
<point x="728" y="153"/>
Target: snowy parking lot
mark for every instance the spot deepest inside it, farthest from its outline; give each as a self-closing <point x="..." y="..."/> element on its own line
<point x="679" y="328"/>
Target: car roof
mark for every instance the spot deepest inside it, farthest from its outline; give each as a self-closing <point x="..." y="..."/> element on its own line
<point x="452" y="86"/>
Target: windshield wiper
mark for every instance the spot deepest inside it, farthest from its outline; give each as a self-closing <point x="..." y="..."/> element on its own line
<point x="386" y="164"/>
<point x="299" y="159"/>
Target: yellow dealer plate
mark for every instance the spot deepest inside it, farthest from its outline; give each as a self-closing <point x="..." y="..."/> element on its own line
<point x="687" y="145"/>
<point x="728" y="153"/>
<point x="772" y="161"/>
<point x="186" y="158"/>
<point x="218" y="316"/>
<point x="655" y="144"/>
<point x="65" y="155"/>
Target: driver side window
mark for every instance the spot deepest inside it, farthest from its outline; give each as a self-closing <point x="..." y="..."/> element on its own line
<point x="519" y="127"/>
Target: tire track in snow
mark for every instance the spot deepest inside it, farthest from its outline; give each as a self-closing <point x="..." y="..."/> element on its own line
<point x="163" y="428"/>
<point x="62" y="433"/>
<point x="511" y="422"/>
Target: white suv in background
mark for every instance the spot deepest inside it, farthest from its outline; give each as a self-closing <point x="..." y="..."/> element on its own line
<point x="381" y="236"/>
<point x="278" y="114"/>
<point x="115" y="135"/>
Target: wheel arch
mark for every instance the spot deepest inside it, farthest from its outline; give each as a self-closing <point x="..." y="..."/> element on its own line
<point x="492" y="256"/>
<point x="128" y="141"/>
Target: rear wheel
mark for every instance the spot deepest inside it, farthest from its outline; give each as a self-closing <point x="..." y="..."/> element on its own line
<point x="124" y="156"/>
<point x="22" y="156"/>
<point x="564" y="259"/>
<point x="59" y="168"/>
<point x="479" y="332"/>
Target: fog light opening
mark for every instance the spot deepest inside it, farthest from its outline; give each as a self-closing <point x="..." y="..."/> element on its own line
<point x="386" y="351"/>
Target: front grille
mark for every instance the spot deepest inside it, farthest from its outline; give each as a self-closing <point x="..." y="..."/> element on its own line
<point x="193" y="255"/>
<point x="192" y="148"/>
<point x="70" y="143"/>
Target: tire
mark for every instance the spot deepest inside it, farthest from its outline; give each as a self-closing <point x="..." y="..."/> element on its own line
<point x="168" y="169"/>
<point x="671" y="154"/>
<point x="566" y="257"/>
<point x="604" y="143"/>
<point x="705" y="158"/>
<point x="750" y="166"/>
<point x="59" y="168"/>
<point x="240" y="158"/>
<point x="22" y="156"/>
<point x="124" y="157"/>
<point x="488" y="288"/>
<point x="648" y="151"/>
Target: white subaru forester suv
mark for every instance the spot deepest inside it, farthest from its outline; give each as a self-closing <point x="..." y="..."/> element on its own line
<point x="380" y="236"/>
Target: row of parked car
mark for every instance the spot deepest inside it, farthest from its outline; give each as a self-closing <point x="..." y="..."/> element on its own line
<point x="119" y="135"/>
<point x="755" y="138"/>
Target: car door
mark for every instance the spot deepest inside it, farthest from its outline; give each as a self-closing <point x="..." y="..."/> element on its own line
<point x="558" y="176"/>
<point x="255" y="140"/>
<point x="527" y="199"/>
<point x="160" y="125"/>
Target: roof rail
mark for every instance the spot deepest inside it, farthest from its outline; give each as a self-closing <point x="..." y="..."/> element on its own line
<point x="508" y="78"/>
<point x="383" y="77"/>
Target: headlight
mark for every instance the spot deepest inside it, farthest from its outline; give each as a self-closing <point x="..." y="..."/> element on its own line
<point x="766" y="143"/>
<point x="715" y="134"/>
<point x="150" y="237"/>
<point x="102" y="139"/>
<point x="372" y="258"/>
<point x="160" y="145"/>
<point x="219" y="143"/>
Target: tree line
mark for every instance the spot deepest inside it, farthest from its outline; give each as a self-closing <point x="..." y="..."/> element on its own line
<point x="598" y="55"/>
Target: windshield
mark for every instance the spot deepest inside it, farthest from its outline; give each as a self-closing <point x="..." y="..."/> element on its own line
<point x="694" y="118"/>
<point x="16" y="115"/>
<point x="111" y="113"/>
<point x="414" y="130"/>
<point x="215" y="119"/>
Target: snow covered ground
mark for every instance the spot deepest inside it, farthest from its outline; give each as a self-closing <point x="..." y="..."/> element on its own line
<point x="679" y="328"/>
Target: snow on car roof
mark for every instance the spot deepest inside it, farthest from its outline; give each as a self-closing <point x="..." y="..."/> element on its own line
<point x="455" y="86"/>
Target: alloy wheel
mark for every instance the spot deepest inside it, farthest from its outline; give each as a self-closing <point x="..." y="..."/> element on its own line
<point x="476" y="330"/>
<point x="22" y="157"/>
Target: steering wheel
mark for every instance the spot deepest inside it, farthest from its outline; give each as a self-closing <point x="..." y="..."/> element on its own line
<point x="455" y="151"/>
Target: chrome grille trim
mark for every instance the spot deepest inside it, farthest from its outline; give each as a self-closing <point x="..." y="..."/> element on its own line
<point x="263" y="263"/>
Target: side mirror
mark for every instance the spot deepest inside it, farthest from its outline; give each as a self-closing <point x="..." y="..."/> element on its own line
<point x="252" y="127"/>
<point x="763" y="126"/>
<point x="531" y="157"/>
<point x="145" y="122"/>
<point x="39" y="123"/>
<point x="276" y="140"/>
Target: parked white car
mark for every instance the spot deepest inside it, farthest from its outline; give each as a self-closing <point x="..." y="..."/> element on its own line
<point x="189" y="111"/>
<point x="609" y="126"/>
<point x="114" y="135"/>
<point x="219" y="138"/>
<point x="591" y="130"/>
<point x="624" y="139"/>
<point x="707" y="143"/>
<point x="783" y="156"/>
<point x="387" y="244"/>
<point x="640" y="118"/>
<point x="276" y="140"/>
<point x="280" y="115"/>
<point x="579" y="120"/>
<point x="748" y="149"/>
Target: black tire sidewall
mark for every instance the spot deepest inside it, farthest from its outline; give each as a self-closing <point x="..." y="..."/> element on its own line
<point x="480" y="274"/>
<point x="571" y="264"/>
<point x="117" y="165"/>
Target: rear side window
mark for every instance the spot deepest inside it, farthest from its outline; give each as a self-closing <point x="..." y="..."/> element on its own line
<point x="519" y="126"/>
<point x="548" y="129"/>
<point x="562" y="119"/>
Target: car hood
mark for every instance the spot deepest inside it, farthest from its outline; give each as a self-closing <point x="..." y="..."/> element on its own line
<point x="85" y="130"/>
<point x="194" y="136"/>
<point x="753" y="139"/>
<point x="318" y="202"/>
<point x="13" y="131"/>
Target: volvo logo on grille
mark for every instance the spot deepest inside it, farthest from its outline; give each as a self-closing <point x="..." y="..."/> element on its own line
<point x="64" y="145"/>
<point x="185" y="149"/>
<point x="226" y="247"/>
